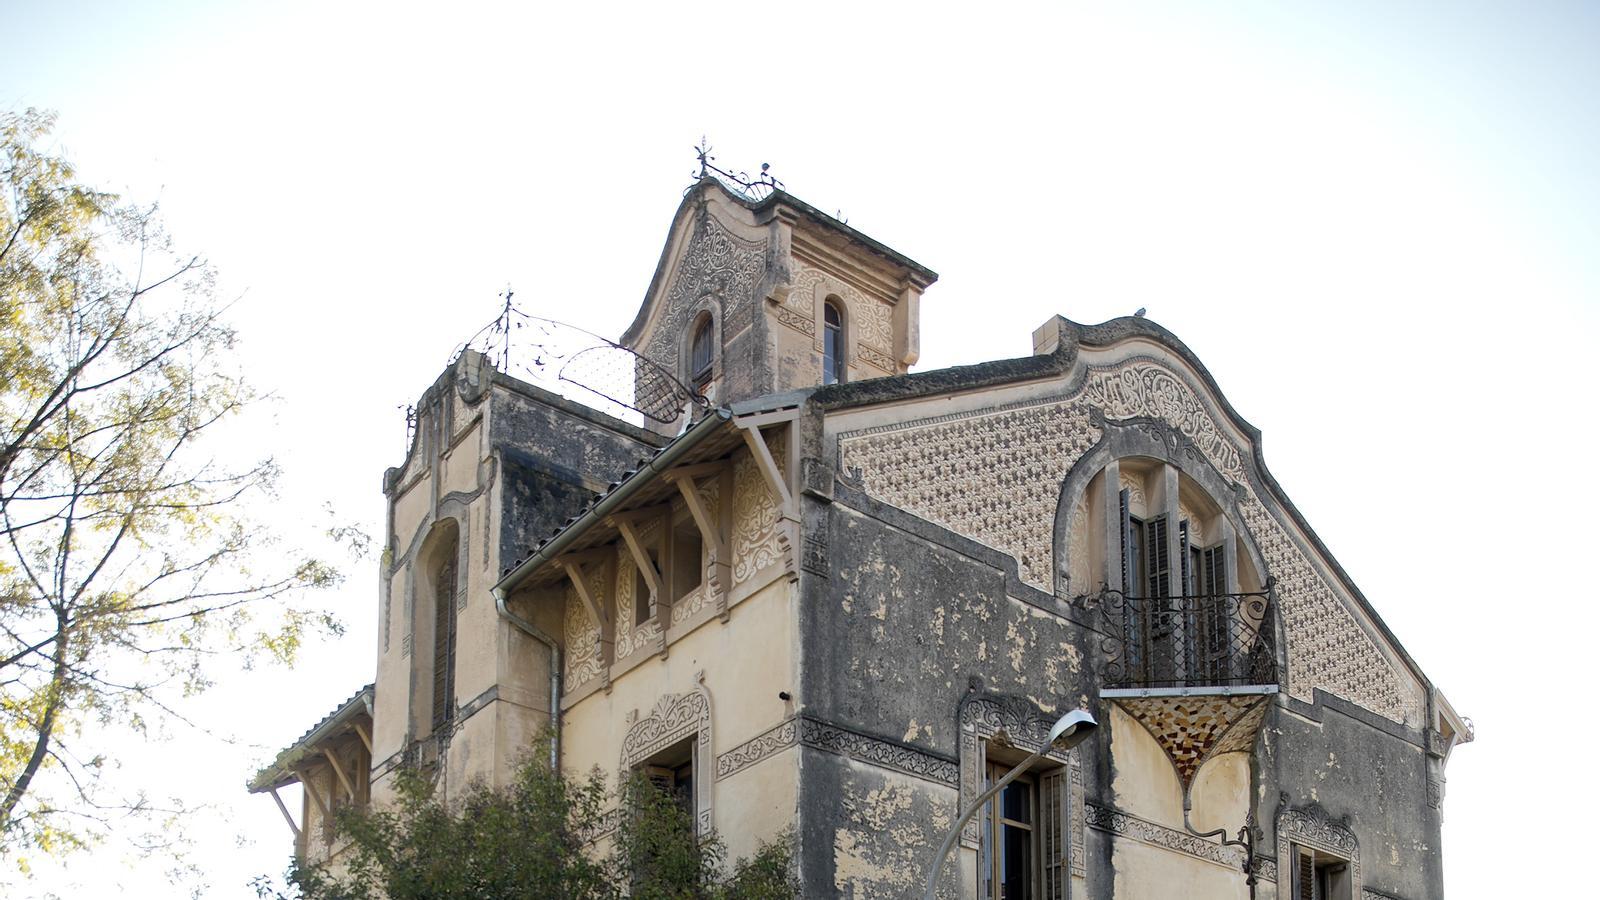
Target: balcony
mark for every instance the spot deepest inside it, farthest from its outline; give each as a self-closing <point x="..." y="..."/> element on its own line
<point x="1218" y="644"/>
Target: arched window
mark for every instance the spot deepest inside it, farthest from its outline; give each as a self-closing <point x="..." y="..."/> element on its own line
<point x="832" y="344"/>
<point x="700" y="353"/>
<point x="444" y="641"/>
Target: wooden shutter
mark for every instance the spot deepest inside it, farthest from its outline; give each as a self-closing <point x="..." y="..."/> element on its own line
<point x="1055" y="843"/>
<point x="444" y="643"/>
<point x="1305" y="876"/>
<point x="1188" y="576"/>
<point x="1158" y="560"/>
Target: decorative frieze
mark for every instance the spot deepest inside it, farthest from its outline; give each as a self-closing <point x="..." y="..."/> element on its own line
<point x="841" y="741"/>
<point x="1121" y="824"/>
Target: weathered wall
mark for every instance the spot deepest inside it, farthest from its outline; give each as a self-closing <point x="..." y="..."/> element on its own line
<point x="495" y="465"/>
<point x="903" y="624"/>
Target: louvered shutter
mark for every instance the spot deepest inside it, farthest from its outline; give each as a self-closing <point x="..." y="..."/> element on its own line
<point x="1128" y="572"/>
<point x="1056" y="844"/>
<point x="1305" y="877"/>
<point x="1164" y="653"/>
<point x="1183" y="558"/>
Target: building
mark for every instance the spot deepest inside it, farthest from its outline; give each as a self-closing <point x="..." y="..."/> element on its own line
<point x="841" y="597"/>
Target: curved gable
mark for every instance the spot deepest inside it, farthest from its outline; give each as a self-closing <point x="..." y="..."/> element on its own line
<point x="989" y="464"/>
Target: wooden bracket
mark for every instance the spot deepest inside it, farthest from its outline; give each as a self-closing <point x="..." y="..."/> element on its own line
<point x="338" y="770"/>
<point x="311" y="791"/>
<point x="573" y="564"/>
<point x="366" y="739"/>
<point x="709" y="530"/>
<point x="286" y="817"/>
<point x="769" y="470"/>
<point x="641" y="557"/>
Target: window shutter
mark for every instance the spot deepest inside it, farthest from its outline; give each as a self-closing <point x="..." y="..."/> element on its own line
<point x="1158" y="561"/>
<point x="1055" y="846"/>
<point x="1128" y="588"/>
<point x="1187" y="577"/>
<point x="1305" y="876"/>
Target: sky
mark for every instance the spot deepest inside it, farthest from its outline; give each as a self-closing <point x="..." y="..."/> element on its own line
<point x="1375" y="222"/>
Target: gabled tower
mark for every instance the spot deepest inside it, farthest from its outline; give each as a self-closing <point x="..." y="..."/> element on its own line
<point x="761" y="296"/>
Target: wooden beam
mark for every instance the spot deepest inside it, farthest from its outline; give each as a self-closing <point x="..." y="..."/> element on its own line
<point x="697" y="470"/>
<point x="338" y="770"/>
<point x="641" y="557"/>
<point x="760" y="420"/>
<point x="366" y="739"/>
<point x="769" y="470"/>
<point x="639" y="513"/>
<point x="286" y="817"/>
<point x="576" y="574"/>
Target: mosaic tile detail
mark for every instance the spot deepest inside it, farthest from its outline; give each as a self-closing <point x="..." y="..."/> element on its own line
<point x="1191" y="730"/>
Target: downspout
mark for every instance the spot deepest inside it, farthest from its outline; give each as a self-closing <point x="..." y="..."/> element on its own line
<point x="662" y="461"/>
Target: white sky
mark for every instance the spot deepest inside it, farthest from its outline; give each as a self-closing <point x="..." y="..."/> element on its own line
<point x="1375" y="222"/>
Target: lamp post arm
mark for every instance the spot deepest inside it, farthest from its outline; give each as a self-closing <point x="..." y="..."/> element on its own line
<point x="950" y="839"/>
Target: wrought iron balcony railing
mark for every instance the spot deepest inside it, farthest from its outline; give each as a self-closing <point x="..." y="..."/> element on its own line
<point x="1221" y="641"/>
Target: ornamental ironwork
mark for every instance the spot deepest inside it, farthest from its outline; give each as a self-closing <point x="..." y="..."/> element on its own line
<point x="1200" y="641"/>
<point x="754" y="188"/>
<point x="605" y="374"/>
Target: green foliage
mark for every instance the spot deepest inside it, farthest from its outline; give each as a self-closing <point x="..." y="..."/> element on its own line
<point x="532" y="839"/>
<point x="125" y="563"/>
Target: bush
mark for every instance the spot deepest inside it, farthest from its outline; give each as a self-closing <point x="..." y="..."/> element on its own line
<point x="534" y="838"/>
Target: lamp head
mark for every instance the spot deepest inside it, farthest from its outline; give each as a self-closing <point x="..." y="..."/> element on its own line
<point x="1072" y="729"/>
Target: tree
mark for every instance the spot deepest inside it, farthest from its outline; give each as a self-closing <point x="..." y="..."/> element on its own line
<point x="125" y="560"/>
<point x="534" y="838"/>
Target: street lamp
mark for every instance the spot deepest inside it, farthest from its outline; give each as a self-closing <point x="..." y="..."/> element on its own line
<point x="1069" y="731"/>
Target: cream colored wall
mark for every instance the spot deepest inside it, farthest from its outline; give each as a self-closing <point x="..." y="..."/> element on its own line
<point x="1144" y="784"/>
<point x="1146" y="872"/>
<point x="1143" y="781"/>
<point x="746" y="662"/>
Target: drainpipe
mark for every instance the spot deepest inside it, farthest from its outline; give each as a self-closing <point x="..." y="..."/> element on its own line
<point x="538" y="634"/>
<point x="666" y="459"/>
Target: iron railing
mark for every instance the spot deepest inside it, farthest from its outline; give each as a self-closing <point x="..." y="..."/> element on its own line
<point x="1208" y="641"/>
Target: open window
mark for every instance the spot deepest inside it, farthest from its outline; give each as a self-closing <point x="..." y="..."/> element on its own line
<point x="1023" y="846"/>
<point x="1319" y="875"/>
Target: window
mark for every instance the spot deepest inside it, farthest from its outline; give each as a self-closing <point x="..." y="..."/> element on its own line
<point x="1321" y="876"/>
<point x="1023" y="844"/>
<point x="688" y="565"/>
<point x="832" y="344"/>
<point x="444" y="642"/>
<point x="672" y="772"/>
<point x="701" y="352"/>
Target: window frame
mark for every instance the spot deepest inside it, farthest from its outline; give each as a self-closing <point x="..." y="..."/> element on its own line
<point x="835" y="350"/>
<point x="702" y="373"/>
